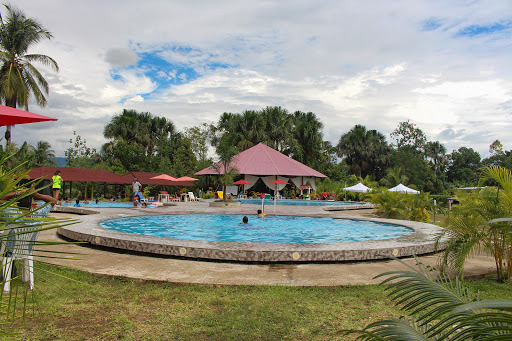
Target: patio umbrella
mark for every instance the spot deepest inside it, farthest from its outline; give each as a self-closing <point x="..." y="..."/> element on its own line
<point x="164" y="178"/>
<point x="186" y="178"/>
<point x="12" y="116"/>
<point x="277" y="182"/>
<point x="243" y="182"/>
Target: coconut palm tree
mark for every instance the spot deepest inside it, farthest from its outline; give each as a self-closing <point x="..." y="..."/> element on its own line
<point x="19" y="79"/>
<point x="438" y="308"/>
<point x="43" y="154"/>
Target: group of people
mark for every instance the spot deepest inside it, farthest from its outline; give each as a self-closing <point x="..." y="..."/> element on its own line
<point x="259" y="214"/>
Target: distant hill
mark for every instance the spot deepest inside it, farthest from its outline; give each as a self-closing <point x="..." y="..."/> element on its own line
<point x="61" y="161"/>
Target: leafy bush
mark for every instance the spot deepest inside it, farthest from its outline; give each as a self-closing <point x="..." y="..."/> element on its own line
<point x="402" y="206"/>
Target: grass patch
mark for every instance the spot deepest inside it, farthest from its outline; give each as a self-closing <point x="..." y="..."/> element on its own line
<point x="90" y="307"/>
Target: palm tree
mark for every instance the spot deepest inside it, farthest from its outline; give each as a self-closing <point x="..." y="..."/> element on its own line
<point x="365" y="151"/>
<point x="307" y="133"/>
<point x="226" y="150"/>
<point x="43" y="154"/>
<point x="482" y="224"/>
<point x="141" y="129"/>
<point x="278" y="128"/>
<point x="435" y="152"/>
<point x="394" y="176"/>
<point x="19" y="79"/>
<point x="438" y="308"/>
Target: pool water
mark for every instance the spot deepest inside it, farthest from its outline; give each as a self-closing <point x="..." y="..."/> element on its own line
<point x="92" y="204"/>
<point x="270" y="229"/>
<point x="295" y="202"/>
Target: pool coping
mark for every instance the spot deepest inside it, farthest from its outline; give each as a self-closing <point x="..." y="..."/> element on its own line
<point x="422" y="241"/>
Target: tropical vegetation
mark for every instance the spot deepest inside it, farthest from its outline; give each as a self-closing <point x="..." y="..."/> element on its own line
<point x="14" y="302"/>
<point x="438" y="308"/>
<point x="19" y="78"/>
<point x="482" y="223"/>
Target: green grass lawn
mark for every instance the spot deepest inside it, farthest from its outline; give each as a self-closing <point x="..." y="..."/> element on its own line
<point x="90" y="307"/>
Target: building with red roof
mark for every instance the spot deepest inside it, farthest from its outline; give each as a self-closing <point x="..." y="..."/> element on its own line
<point x="266" y="163"/>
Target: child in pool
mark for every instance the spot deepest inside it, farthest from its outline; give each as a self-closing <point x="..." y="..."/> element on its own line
<point x="260" y="214"/>
<point x="245" y="220"/>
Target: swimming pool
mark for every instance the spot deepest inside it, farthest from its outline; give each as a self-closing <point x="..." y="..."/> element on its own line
<point x="295" y="202"/>
<point x="270" y="229"/>
<point x="92" y="204"/>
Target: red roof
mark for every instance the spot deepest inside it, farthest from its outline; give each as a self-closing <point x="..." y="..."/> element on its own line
<point x="263" y="160"/>
<point x="11" y="116"/>
<point x="79" y="174"/>
<point x="145" y="179"/>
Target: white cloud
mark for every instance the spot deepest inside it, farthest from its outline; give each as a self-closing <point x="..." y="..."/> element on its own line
<point x="350" y="62"/>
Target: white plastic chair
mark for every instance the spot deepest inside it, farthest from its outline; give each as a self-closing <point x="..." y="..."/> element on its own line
<point x="191" y="197"/>
<point x="18" y="247"/>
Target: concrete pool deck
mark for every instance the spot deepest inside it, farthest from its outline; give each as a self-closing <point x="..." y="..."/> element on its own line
<point x="114" y="262"/>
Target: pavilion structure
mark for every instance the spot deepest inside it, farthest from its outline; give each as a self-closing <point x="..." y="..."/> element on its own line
<point x="267" y="164"/>
<point x="70" y="175"/>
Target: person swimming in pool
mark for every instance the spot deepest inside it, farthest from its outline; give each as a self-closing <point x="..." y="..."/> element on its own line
<point x="260" y="214"/>
<point x="245" y="220"/>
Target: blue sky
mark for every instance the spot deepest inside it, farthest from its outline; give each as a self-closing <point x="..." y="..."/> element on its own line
<point x="445" y="66"/>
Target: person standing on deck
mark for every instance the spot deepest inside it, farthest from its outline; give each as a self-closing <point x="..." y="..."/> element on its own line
<point x="56" y="184"/>
<point x="136" y="186"/>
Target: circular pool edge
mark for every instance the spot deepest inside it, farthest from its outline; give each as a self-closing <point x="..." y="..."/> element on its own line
<point x="422" y="241"/>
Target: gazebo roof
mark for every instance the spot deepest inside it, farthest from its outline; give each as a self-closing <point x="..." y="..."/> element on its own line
<point x="263" y="160"/>
<point x="79" y="174"/>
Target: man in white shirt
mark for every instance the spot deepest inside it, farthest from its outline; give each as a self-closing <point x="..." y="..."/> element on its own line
<point x="136" y="186"/>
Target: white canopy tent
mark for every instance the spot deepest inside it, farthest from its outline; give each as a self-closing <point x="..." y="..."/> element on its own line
<point x="403" y="189"/>
<point x="360" y="188"/>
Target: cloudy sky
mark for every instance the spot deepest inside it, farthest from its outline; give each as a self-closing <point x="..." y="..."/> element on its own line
<point x="443" y="65"/>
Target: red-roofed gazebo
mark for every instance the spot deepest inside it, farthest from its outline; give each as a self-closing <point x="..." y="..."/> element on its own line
<point x="266" y="163"/>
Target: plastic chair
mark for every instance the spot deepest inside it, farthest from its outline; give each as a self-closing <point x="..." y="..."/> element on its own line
<point x="17" y="246"/>
<point x="192" y="197"/>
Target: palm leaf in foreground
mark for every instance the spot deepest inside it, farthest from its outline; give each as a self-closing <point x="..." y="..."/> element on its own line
<point x="439" y="309"/>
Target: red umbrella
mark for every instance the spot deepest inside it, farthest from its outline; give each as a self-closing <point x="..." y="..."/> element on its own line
<point x="280" y="182"/>
<point x="243" y="182"/>
<point x="186" y="178"/>
<point x="11" y="116"/>
<point x="163" y="177"/>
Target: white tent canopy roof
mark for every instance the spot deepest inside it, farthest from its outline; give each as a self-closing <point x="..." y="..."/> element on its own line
<point x="403" y="189"/>
<point x="358" y="188"/>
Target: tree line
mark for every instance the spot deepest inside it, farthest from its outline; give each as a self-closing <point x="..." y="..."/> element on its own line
<point x="140" y="141"/>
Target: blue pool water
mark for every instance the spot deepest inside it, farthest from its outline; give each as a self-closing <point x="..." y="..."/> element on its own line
<point x="270" y="229"/>
<point x="92" y="204"/>
<point x="294" y="202"/>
